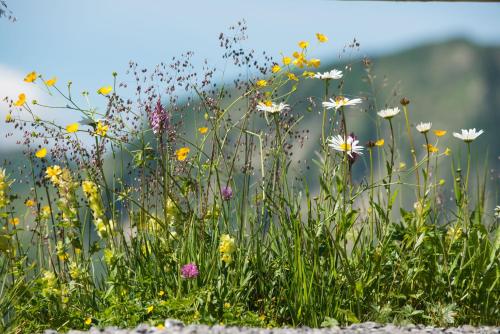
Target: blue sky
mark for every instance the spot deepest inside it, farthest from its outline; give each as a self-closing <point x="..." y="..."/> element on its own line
<point x="84" y="41"/>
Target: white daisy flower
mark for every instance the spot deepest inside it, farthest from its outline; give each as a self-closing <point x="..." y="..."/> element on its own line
<point x="424" y="127"/>
<point x="333" y="74"/>
<point x="388" y="113"/>
<point x="340" y="101"/>
<point x="349" y="145"/>
<point x="468" y="135"/>
<point x="497" y="211"/>
<point x="273" y="108"/>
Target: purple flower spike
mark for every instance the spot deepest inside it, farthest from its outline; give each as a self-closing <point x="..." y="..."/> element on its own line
<point x="158" y="118"/>
<point x="189" y="270"/>
<point x="227" y="193"/>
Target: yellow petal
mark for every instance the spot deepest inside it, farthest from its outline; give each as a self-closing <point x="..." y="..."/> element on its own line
<point x="261" y="83"/>
<point x="88" y="321"/>
<point x="314" y="62"/>
<point x="380" y="142"/>
<point x="41" y="153"/>
<point x="276" y="68"/>
<point x="292" y="76"/>
<point x="321" y="38"/>
<point x="303" y="44"/>
<point x="71" y="128"/>
<point x="203" y="130"/>
<point x="439" y="133"/>
<point x="30" y="77"/>
<point x="104" y="90"/>
<point x="51" y="82"/>
<point x="287" y="60"/>
<point x="21" y="100"/>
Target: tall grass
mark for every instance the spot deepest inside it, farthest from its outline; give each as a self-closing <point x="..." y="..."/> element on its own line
<point x="190" y="206"/>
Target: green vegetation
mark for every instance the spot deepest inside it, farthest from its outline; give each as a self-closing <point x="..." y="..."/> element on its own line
<point x="197" y="207"/>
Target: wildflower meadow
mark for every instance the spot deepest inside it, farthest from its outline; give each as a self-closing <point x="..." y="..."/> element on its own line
<point x="182" y="197"/>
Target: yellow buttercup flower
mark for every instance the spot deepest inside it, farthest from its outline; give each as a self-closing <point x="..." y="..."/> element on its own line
<point x="292" y="76"/>
<point x="53" y="173"/>
<point x="30" y="203"/>
<point x="41" y="153"/>
<point x="14" y="221"/>
<point x="261" y="83"/>
<point x="321" y="38"/>
<point x="314" y="63"/>
<point x="105" y="90"/>
<point x="8" y="118"/>
<point x="51" y="82"/>
<point x="203" y="130"/>
<point x="308" y="74"/>
<point x="30" y="77"/>
<point x="402" y="165"/>
<point x="297" y="55"/>
<point x="182" y="153"/>
<point x="431" y="148"/>
<point x="101" y="129"/>
<point x="161" y="293"/>
<point x="380" y="142"/>
<point x="21" y="100"/>
<point x="303" y="44"/>
<point x="88" y="321"/>
<point x="299" y="62"/>
<point x="287" y="60"/>
<point x="71" y="128"/>
<point x="150" y="309"/>
<point x="276" y="68"/>
<point x="439" y="133"/>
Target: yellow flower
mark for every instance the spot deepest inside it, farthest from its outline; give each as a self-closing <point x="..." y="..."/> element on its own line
<point x="53" y="173"/>
<point x="439" y="133"/>
<point x="71" y="128"/>
<point x="447" y="151"/>
<point x="292" y="76"/>
<point x="321" y="38"/>
<point x="45" y="212"/>
<point x="299" y="63"/>
<point x="105" y="90"/>
<point x="14" y="221"/>
<point x="308" y="74"/>
<point x="276" y="68"/>
<point x="150" y="309"/>
<point x="160" y="326"/>
<point x="267" y="103"/>
<point x="88" y="321"/>
<point x="8" y="118"/>
<point x="21" y="100"/>
<point x="227" y="305"/>
<point x="314" y="62"/>
<point x="303" y="44"/>
<point x="431" y="148"/>
<point x="51" y="82"/>
<point x="261" y="83"/>
<point x="227" y="244"/>
<point x="182" y="153"/>
<point x="380" y="142"/>
<point x="30" y="203"/>
<point x="227" y="258"/>
<point x="287" y="60"/>
<point x="402" y="165"/>
<point x="297" y="55"/>
<point x="203" y="130"/>
<point x="41" y="153"/>
<point x="30" y="77"/>
<point x="161" y="293"/>
<point x="101" y="129"/>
